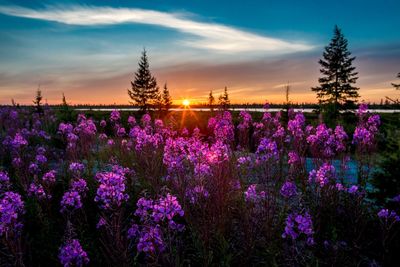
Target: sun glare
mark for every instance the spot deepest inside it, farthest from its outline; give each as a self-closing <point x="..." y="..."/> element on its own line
<point x="186" y="102"/>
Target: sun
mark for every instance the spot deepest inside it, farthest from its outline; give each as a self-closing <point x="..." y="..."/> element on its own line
<point x="186" y="102"/>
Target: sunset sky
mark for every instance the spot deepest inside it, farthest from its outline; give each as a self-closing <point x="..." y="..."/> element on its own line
<point x="90" y="49"/>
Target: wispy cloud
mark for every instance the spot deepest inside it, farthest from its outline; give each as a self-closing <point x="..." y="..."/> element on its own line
<point x="210" y="36"/>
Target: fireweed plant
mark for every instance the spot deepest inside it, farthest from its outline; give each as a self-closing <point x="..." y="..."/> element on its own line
<point x="126" y="191"/>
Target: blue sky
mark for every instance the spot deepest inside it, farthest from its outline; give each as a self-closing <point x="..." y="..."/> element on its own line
<point x="89" y="49"/>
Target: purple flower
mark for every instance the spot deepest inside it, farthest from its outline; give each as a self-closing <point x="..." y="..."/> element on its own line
<point x="41" y="159"/>
<point x="11" y="210"/>
<point x="133" y="231"/>
<point x="131" y="121"/>
<point x="353" y="189"/>
<point x="121" y="131"/>
<point x="115" y="115"/>
<point x="76" y="168"/>
<point x="103" y="123"/>
<point x="72" y="254"/>
<point x="33" y="168"/>
<point x="4" y="181"/>
<point x="79" y="186"/>
<point x="65" y="128"/>
<point x="395" y="199"/>
<point x="267" y="149"/>
<point x="18" y="141"/>
<point x="339" y="187"/>
<point x="71" y="201"/>
<point x="111" y="191"/>
<point x="49" y="177"/>
<point x="166" y="208"/>
<point x="388" y="214"/>
<point x="297" y="225"/>
<point x="288" y="189"/>
<point x="151" y="240"/>
<point x="324" y="175"/>
<point x="251" y="194"/>
<point x="144" y="206"/>
<point x="37" y="191"/>
<point x="102" y="222"/>
<point x="293" y="158"/>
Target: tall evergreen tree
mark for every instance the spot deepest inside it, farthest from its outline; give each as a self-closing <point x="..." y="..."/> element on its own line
<point x="211" y="100"/>
<point x="397" y="85"/>
<point x="144" y="89"/>
<point x="336" y="90"/>
<point x="166" y="98"/>
<point x="223" y="100"/>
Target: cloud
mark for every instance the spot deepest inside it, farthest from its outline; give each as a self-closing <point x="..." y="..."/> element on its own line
<point x="211" y="36"/>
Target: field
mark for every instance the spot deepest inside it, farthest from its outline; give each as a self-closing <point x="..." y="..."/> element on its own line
<point x="198" y="188"/>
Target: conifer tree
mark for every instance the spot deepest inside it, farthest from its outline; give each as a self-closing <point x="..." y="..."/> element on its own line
<point x="397" y="85"/>
<point x="144" y="89"/>
<point x="223" y="100"/>
<point x="166" y="98"/>
<point x="336" y="90"/>
<point x="38" y="100"/>
<point x="211" y="100"/>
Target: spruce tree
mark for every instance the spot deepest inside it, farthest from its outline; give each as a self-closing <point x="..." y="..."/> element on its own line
<point x="211" y="100"/>
<point x="397" y="85"/>
<point x="336" y="90"/>
<point x="166" y="98"/>
<point x="223" y="100"/>
<point x="144" y="89"/>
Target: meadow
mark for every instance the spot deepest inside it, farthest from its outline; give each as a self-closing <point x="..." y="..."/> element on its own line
<point x="198" y="188"/>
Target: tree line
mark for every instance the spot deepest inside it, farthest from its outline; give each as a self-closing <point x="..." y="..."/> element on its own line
<point x="336" y="91"/>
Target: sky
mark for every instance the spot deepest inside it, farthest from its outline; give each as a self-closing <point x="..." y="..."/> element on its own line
<point x="89" y="50"/>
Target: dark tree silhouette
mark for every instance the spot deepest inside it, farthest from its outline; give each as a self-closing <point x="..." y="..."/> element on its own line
<point x="144" y="89"/>
<point x="211" y="101"/>
<point x="336" y="90"/>
<point x="38" y="100"/>
<point x="223" y="100"/>
<point x="166" y="98"/>
<point x="397" y="85"/>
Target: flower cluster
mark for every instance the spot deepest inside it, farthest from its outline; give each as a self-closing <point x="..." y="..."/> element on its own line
<point x="365" y="133"/>
<point x="251" y="194"/>
<point x="49" y="177"/>
<point x="76" y="168"/>
<point x="37" y="190"/>
<point x="11" y="210"/>
<point x="387" y="214"/>
<point x="288" y="189"/>
<point x="297" y="225"/>
<point x="267" y="149"/>
<point x="324" y="175"/>
<point x="72" y="254"/>
<point x="325" y="142"/>
<point x="153" y="215"/>
<point x="111" y="191"/>
<point x="4" y="181"/>
<point x="70" y="201"/>
<point x="222" y="127"/>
